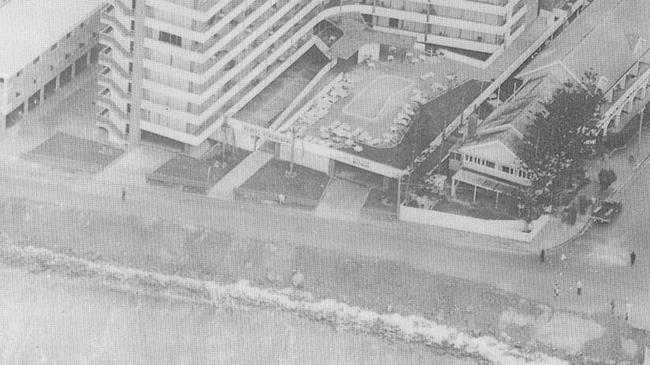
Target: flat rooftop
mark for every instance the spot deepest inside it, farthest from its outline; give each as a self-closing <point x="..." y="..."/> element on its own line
<point x="29" y="27"/>
<point x="365" y="107"/>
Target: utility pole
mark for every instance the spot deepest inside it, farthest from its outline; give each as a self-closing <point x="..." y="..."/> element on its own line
<point x="292" y="173"/>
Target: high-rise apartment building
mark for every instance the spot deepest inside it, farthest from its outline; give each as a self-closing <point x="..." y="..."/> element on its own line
<point x="176" y="68"/>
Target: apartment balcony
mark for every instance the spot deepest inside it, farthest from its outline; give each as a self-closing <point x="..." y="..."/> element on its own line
<point x="219" y="77"/>
<point x="108" y="40"/>
<point x="105" y="119"/>
<point x="112" y="21"/>
<point x="107" y="60"/>
<point x="107" y="82"/>
<point x="106" y="101"/>
<point x="444" y="21"/>
<point x="252" y="27"/>
<point x="123" y="8"/>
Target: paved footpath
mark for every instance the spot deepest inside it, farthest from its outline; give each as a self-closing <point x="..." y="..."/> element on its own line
<point x="504" y="264"/>
<point x="435" y="250"/>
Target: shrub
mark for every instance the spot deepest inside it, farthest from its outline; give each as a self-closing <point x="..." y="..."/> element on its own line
<point x="583" y="204"/>
<point x="572" y="214"/>
<point x="606" y="177"/>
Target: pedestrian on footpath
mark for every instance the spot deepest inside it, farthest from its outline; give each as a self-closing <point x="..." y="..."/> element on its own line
<point x="579" y="287"/>
<point x="628" y="309"/>
<point x="123" y="194"/>
<point x="612" y="305"/>
<point x="556" y="291"/>
<point x="542" y="256"/>
<point x="632" y="258"/>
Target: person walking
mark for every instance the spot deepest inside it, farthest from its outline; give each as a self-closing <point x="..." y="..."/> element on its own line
<point x="632" y="258"/>
<point x="612" y="306"/>
<point x="628" y="310"/>
<point x="579" y="287"/>
<point x="123" y="194"/>
<point x="556" y="291"/>
<point x="542" y="256"/>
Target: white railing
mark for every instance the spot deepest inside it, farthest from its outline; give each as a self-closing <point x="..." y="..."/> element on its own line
<point x="639" y="82"/>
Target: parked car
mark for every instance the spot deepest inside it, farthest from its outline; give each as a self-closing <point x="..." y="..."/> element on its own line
<point x="605" y="210"/>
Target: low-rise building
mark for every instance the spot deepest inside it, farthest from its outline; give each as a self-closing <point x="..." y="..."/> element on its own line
<point x="44" y="44"/>
<point x="489" y="158"/>
<point x="610" y="40"/>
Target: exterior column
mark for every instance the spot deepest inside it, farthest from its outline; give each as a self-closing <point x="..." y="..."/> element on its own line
<point x="3" y="124"/>
<point x="138" y="71"/>
<point x="399" y="195"/>
<point x="453" y="187"/>
<point x="331" y="168"/>
<point x="475" y="188"/>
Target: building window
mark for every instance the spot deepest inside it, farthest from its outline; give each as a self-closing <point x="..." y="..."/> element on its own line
<point x="131" y="46"/>
<point x="128" y="108"/>
<point x="82" y="44"/>
<point x="169" y="38"/>
<point x="130" y="67"/>
<point x="489" y="164"/>
<point x="132" y="24"/>
<point x="82" y="25"/>
<point x="18" y="94"/>
<point x="67" y="55"/>
<point x="19" y="73"/>
<point x="129" y="87"/>
<point x="36" y="60"/>
<point x="506" y="169"/>
<point x="54" y="46"/>
<point x="132" y="4"/>
<point x="68" y="35"/>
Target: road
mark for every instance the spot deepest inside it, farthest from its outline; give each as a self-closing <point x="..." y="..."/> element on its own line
<point x="598" y="259"/>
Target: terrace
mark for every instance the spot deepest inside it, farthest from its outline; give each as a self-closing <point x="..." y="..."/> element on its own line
<point x="370" y="108"/>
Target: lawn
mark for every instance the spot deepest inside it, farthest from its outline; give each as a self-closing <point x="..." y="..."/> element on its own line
<point x="308" y="184"/>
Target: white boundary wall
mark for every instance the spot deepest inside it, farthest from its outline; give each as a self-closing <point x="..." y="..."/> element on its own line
<point x="509" y="229"/>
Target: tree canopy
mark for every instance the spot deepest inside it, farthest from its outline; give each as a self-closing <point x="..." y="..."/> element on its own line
<point x="558" y="143"/>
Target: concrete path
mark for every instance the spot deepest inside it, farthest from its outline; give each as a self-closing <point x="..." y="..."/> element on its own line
<point x="342" y="199"/>
<point x="133" y="166"/>
<point x="237" y="176"/>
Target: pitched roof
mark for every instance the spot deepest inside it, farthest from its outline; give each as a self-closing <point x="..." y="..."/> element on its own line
<point x="509" y="122"/>
<point x="603" y="38"/>
<point x="29" y="27"/>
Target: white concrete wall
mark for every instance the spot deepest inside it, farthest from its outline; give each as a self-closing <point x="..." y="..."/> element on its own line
<point x="509" y="229"/>
<point x="305" y="158"/>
